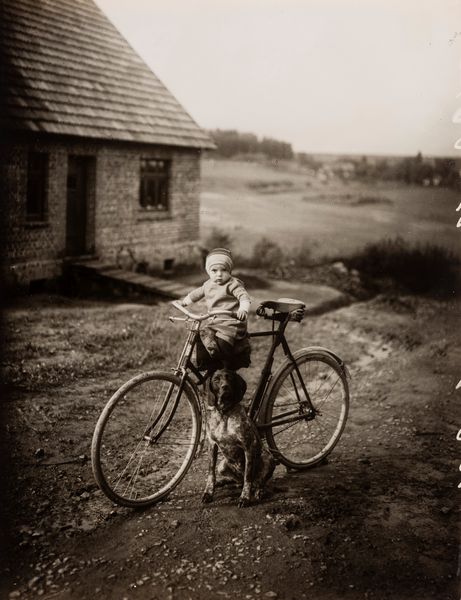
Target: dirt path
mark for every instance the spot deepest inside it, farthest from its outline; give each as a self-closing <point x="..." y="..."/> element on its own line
<point x="380" y="520"/>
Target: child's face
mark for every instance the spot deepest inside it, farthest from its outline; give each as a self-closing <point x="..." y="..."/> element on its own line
<point x="219" y="274"/>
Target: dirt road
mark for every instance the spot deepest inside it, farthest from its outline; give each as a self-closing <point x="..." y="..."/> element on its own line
<point x="380" y="520"/>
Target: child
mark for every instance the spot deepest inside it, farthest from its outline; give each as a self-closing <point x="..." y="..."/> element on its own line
<point x="225" y="338"/>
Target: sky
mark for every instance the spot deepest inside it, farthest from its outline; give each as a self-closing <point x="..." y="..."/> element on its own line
<point x="340" y="76"/>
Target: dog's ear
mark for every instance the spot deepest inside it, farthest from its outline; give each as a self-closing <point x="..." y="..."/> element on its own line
<point x="240" y="387"/>
<point x="211" y="392"/>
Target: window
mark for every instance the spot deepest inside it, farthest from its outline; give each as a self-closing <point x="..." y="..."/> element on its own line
<point x="37" y="183"/>
<point x="154" y="184"/>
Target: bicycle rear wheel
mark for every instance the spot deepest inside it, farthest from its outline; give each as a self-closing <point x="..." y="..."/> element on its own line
<point x="145" y="439"/>
<point x="296" y="436"/>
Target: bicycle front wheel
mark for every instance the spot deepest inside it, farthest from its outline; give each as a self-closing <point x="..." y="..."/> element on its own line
<point x="145" y="439"/>
<point x="298" y="436"/>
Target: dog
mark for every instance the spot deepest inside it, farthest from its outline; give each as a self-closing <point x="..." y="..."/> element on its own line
<point x="231" y="430"/>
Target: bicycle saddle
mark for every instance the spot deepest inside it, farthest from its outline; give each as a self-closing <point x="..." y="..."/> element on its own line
<point x="283" y="305"/>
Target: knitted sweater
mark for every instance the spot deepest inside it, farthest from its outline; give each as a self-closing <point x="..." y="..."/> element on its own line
<point x="230" y="295"/>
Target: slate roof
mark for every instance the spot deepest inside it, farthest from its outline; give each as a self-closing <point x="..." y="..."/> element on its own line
<point x="65" y="69"/>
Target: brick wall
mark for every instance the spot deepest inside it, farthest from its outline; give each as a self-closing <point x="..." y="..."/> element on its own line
<point x="115" y="218"/>
<point x="120" y="220"/>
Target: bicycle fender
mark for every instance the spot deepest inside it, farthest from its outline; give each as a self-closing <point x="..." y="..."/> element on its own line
<point x="327" y="352"/>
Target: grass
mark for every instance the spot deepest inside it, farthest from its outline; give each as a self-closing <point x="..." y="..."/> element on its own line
<point x="51" y="340"/>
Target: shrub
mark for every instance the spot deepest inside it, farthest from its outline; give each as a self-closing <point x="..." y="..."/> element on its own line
<point x="302" y="256"/>
<point x="372" y="200"/>
<point x="418" y="268"/>
<point x="218" y="238"/>
<point x="267" y="253"/>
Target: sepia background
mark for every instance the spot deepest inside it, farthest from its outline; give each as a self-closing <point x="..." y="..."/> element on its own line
<point x="335" y="180"/>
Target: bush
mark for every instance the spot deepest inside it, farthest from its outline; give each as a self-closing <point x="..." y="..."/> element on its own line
<point x="302" y="256"/>
<point x="417" y="268"/>
<point x="267" y="254"/>
<point x="372" y="200"/>
<point x="218" y="238"/>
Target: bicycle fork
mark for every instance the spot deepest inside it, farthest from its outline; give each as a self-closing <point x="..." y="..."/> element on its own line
<point x="148" y="433"/>
<point x="180" y="370"/>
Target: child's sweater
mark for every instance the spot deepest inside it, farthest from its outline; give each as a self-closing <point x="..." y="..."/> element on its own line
<point x="227" y="296"/>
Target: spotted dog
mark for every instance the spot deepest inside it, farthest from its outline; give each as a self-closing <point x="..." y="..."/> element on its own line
<point x="230" y="430"/>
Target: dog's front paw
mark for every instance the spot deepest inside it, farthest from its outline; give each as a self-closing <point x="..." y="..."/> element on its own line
<point x="244" y="501"/>
<point x="207" y="497"/>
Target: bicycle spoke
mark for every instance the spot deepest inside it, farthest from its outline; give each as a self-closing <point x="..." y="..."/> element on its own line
<point x="128" y="464"/>
<point x="133" y="469"/>
<point x="289" y="426"/>
<point x="321" y="403"/>
<point x="323" y="383"/>
<point x="305" y="441"/>
<point x="133" y="479"/>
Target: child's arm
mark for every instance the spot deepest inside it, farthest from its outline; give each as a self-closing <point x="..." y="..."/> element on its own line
<point x="244" y="300"/>
<point x="244" y="308"/>
<point x="193" y="296"/>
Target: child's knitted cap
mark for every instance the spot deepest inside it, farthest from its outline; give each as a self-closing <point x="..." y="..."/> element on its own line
<point x="219" y="256"/>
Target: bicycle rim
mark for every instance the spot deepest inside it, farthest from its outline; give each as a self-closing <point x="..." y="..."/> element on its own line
<point x="130" y="469"/>
<point x="300" y="442"/>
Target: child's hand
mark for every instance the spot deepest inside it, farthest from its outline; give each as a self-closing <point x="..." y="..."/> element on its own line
<point x="242" y="314"/>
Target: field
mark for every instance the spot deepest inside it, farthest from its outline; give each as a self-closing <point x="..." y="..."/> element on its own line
<point x="334" y="219"/>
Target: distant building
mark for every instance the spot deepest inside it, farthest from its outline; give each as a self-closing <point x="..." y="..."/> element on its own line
<point x="96" y="153"/>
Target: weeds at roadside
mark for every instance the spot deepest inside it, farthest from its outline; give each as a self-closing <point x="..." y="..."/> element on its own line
<point x="419" y="269"/>
<point x="88" y="341"/>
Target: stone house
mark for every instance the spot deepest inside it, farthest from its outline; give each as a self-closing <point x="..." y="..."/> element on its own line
<point x="97" y="157"/>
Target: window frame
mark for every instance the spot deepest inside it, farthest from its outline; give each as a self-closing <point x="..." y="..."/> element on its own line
<point x="37" y="187"/>
<point x="154" y="173"/>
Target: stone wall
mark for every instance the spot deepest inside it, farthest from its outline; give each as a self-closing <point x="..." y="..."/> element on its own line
<point x="116" y="223"/>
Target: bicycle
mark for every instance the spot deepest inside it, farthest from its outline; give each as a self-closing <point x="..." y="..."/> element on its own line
<point x="151" y="429"/>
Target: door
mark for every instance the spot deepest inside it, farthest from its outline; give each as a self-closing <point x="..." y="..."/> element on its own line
<point x="77" y="205"/>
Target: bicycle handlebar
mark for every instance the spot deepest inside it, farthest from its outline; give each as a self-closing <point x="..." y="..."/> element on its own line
<point x="203" y="317"/>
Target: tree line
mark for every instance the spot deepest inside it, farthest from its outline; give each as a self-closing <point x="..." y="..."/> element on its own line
<point x="413" y="170"/>
<point x="231" y="143"/>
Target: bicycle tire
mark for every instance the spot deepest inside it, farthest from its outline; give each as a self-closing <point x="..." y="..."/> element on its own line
<point x="128" y="468"/>
<point x="303" y="443"/>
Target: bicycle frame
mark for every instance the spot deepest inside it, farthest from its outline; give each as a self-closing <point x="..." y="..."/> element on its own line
<point x="185" y="365"/>
<point x="278" y="338"/>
